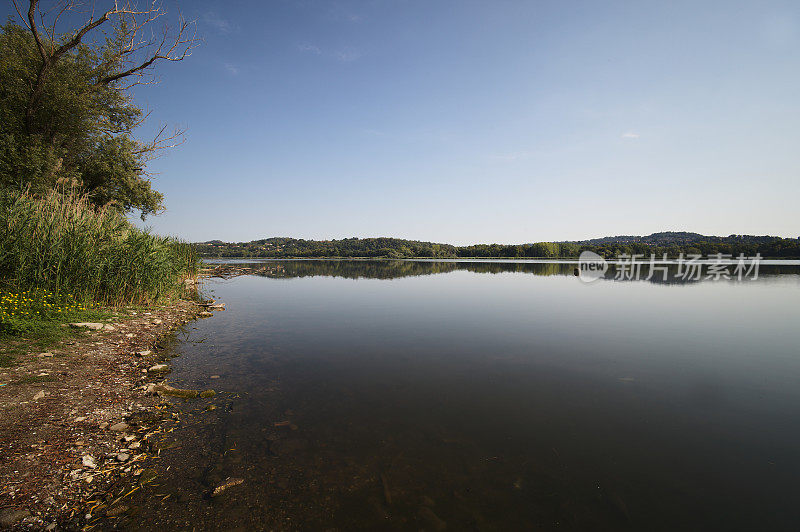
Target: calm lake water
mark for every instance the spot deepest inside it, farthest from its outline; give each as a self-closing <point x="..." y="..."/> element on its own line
<point x="485" y="396"/>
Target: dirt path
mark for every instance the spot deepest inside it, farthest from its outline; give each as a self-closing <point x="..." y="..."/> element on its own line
<point x="76" y="420"/>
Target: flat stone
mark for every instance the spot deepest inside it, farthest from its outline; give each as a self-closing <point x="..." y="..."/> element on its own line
<point x="120" y="427"/>
<point x="143" y="353"/>
<point x="166" y="389"/>
<point x="80" y="418"/>
<point x="87" y="325"/>
<point x="123" y="457"/>
<point x="39" y="395"/>
<point x="11" y="517"/>
<point x="159" y="368"/>
<point x="229" y="483"/>
<point x="88" y="461"/>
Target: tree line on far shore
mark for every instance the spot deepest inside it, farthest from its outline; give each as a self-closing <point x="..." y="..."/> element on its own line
<point x="396" y="248"/>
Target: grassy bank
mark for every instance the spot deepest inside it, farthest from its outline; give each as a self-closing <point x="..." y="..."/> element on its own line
<point x="61" y="259"/>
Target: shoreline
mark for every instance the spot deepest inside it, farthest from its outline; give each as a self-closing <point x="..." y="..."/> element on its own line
<point x="76" y="420"/>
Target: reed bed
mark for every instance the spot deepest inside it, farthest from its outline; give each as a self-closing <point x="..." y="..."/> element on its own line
<point x="60" y="242"/>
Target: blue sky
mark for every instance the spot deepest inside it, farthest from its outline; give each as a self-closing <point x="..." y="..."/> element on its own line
<point x="493" y="121"/>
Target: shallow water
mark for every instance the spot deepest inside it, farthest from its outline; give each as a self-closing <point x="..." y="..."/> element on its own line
<point x="486" y="396"/>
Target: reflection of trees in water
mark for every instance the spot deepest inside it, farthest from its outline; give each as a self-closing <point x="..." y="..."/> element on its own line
<point x="387" y="269"/>
<point x="366" y="269"/>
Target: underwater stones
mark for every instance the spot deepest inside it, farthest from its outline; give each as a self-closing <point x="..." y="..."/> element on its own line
<point x="207" y="393"/>
<point x="166" y="389"/>
<point x="117" y="510"/>
<point x="228" y="483"/>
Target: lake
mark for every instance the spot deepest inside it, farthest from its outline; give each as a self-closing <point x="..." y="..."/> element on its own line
<point x="481" y="395"/>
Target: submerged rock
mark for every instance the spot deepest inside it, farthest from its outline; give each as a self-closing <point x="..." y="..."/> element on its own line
<point x="207" y="393"/>
<point x="117" y="510"/>
<point x="229" y="483"/>
<point x="166" y="389"/>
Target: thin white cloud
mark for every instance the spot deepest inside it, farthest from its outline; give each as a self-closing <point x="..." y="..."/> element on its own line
<point x="343" y="55"/>
<point x="309" y="48"/>
<point x="217" y="22"/>
<point x="629" y="135"/>
<point x="347" y="55"/>
<point x="233" y="69"/>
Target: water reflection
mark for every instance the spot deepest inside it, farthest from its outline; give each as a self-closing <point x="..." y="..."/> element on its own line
<point x="389" y="269"/>
<point x="422" y="395"/>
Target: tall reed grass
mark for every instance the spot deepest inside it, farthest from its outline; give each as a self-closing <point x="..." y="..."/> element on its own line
<point x="61" y="242"/>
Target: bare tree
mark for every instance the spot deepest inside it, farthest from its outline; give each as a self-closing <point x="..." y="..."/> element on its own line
<point x="139" y="43"/>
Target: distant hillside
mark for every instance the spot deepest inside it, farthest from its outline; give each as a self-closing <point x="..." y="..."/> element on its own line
<point x="669" y="238"/>
<point x="670" y="243"/>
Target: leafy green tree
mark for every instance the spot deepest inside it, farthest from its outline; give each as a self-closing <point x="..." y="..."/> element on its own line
<point x="67" y="115"/>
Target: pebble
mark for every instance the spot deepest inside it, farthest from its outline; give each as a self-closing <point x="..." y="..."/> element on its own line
<point x="143" y="353"/>
<point x="88" y="461"/>
<point x="80" y="418"/>
<point x="123" y="457"/>
<point x="39" y="395"/>
<point x="43" y="355"/>
<point x="120" y="427"/>
<point x="159" y="368"/>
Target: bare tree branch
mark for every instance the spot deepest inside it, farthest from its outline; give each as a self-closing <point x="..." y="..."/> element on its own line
<point x="134" y="57"/>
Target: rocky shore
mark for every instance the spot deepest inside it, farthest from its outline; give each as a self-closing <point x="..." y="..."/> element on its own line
<point x="77" y="421"/>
